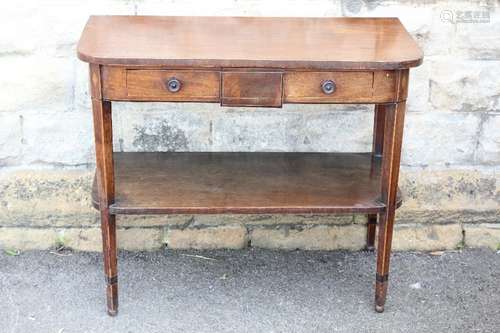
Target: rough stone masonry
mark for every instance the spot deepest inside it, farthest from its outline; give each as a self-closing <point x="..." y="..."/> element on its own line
<point x="451" y="151"/>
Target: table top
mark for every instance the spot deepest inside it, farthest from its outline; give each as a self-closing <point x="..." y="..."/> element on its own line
<point x="258" y="42"/>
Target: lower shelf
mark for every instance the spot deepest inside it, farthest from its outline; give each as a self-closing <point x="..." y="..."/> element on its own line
<point x="245" y="183"/>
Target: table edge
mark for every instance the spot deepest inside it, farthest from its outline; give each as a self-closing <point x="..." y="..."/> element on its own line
<point x="245" y="63"/>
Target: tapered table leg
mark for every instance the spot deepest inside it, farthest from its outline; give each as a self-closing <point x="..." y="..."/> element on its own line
<point x="105" y="182"/>
<point x="394" y="120"/>
<point x="377" y="149"/>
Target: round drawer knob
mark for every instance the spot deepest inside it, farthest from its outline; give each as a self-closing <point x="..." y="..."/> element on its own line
<point x="173" y="85"/>
<point x="328" y="87"/>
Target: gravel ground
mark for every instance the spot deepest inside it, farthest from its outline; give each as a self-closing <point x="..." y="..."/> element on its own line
<point x="250" y="291"/>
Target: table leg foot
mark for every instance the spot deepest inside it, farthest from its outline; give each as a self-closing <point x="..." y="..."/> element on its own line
<point x="112" y="313"/>
<point x="380" y="295"/>
<point x="110" y="261"/>
<point x="112" y="299"/>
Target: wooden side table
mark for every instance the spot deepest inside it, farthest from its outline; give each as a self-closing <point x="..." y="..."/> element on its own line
<point x="247" y="61"/>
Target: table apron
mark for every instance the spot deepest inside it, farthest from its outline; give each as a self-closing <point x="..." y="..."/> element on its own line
<point x="252" y="86"/>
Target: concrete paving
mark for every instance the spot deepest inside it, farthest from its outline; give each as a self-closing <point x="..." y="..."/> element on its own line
<point x="250" y="291"/>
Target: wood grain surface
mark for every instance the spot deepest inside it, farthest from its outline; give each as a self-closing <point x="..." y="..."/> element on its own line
<point x="272" y="42"/>
<point x="252" y="89"/>
<point x="213" y="183"/>
<point x="151" y="85"/>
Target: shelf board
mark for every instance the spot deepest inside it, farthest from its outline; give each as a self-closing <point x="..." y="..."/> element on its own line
<point x="245" y="183"/>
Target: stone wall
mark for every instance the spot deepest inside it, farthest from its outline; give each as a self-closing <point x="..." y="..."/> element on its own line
<point x="451" y="154"/>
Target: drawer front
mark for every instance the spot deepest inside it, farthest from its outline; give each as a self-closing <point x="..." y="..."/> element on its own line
<point x="173" y="85"/>
<point x="252" y="89"/>
<point x="334" y="87"/>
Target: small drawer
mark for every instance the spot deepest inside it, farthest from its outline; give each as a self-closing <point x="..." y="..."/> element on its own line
<point x="173" y="85"/>
<point x="251" y="89"/>
<point x="328" y="87"/>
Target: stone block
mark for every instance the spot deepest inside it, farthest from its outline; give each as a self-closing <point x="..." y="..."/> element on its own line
<point x="418" y="237"/>
<point x="483" y="235"/>
<point x="478" y="40"/>
<point x="36" y="83"/>
<point x="228" y="237"/>
<point x="24" y="239"/>
<point x="78" y="239"/>
<point x="130" y="239"/>
<point x="10" y="139"/>
<point x="82" y="239"/>
<point x="350" y="237"/>
<point x="140" y="239"/>
<point x="448" y="191"/>
<point x="488" y="149"/>
<point x="46" y="199"/>
<point x="439" y="139"/>
<point x="455" y="85"/>
<point x="58" y="139"/>
<point x="445" y="216"/>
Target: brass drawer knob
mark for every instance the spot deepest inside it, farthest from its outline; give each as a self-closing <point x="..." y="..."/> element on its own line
<point x="173" y="85"/>
<point x="328" y="87"/>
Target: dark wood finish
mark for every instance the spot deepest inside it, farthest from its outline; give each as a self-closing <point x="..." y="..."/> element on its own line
<point x="105" y="186"/>
<point x="371" y="229"/>
<point x="246" y="61"/>
<point x="378" y="129"/>
<point x="95" y="82"/>
<point x="250" y="183"/>
<point x="402" y="81"/>
<point x="114" y="83"/>
<point x="391" y="154"/>
<point x="351" y="87"/>
<point x="262" y="88"/>
<point x="247" y="87"/>
<point x="377" y="147"/>
<point x="263" y="42"/>
<point x="251" y="89"/>
<point x="306" y="87"/>
<point x="151" y="85"/>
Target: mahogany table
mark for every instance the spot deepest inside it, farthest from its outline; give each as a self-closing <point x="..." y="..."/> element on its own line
<point x="249" y="61"/>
